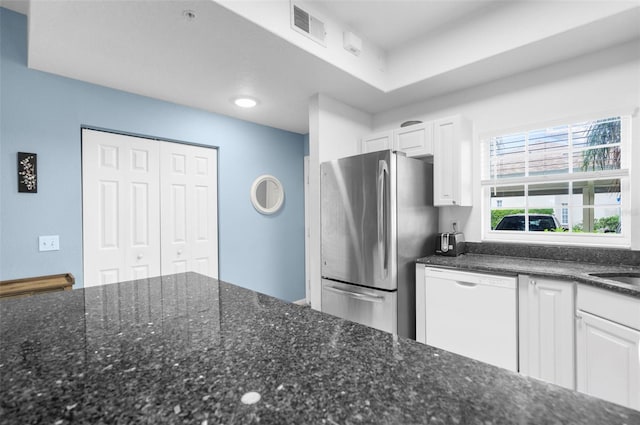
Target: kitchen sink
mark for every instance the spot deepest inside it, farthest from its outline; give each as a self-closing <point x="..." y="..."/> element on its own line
<point x="627" y="278"/>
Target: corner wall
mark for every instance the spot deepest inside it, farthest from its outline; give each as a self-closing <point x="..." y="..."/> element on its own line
<point x="43" y="113"/>
<point x="335" y="130"/>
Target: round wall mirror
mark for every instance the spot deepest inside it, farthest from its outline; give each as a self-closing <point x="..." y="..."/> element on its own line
<point x="267" y="194"/>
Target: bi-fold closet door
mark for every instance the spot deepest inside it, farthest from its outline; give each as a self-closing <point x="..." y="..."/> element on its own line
<point x="149" y="208"/>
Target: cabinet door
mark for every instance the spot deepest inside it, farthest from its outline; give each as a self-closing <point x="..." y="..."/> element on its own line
<point x="547" y="329"/>
<point x="376" y="142"/>
<point x="608" y="360"/>
<point x="415" y="140"/>
<point x="452" y="162"/>
<point x="445" y="170"/>
<point x="421" y="305"/>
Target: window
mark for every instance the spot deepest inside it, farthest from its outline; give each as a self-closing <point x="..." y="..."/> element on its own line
<point x="568" y="181"/>
<point x="564" y="214"/>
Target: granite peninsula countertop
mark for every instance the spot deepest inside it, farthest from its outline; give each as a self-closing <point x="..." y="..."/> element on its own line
<point x="186" y="348"/>
<point x="557" y="269"/>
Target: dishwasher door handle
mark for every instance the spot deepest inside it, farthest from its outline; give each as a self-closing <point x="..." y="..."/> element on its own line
<point x="466" y="284"/>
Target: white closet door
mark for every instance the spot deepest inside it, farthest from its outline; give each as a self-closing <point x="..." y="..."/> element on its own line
<point x="189" y="209"/>
<point x="120" y="212"/>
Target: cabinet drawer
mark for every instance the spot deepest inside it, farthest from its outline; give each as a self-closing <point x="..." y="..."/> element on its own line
<point x="616" y="307"/>
<point x="367" y="306"/>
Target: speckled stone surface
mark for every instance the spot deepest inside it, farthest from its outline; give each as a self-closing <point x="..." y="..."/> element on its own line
<point x="609" y="256"/>
<point x="560" y="262"/>
<point x="186" y="348"/>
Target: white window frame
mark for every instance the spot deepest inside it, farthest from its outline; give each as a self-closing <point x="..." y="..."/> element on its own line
<point x="564" y="213"/>
<point x="621" y="240"/>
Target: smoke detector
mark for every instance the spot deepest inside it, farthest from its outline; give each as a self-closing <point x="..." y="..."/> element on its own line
<point x="189" y="15"/>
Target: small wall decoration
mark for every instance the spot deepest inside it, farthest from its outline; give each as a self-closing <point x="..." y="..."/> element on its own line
<point x="27" y="172"/>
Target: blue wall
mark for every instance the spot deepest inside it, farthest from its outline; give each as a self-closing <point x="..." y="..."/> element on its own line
<point x="43" y="113"/>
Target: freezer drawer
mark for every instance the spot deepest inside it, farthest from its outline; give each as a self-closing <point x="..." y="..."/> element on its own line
<point x="472" y="314"/>
<point x="367" y="306"/>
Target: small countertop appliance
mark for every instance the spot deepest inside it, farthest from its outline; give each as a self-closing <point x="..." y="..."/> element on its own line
<point x="450" y="243"/>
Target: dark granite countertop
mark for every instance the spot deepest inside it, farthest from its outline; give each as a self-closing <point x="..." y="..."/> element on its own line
<point x="186" y="348"/>
<point x="559" y="269"/>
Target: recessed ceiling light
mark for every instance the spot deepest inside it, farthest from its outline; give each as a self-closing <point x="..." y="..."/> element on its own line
<point x="245" y="102"/>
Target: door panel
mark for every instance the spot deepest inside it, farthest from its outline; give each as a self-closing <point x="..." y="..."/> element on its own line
<point x="106" y="276"/>
<point x="176" y="215"/>
<point x="140" y="272"/>
<point x="202" y="221"/>
<point x="189" y="216"/>
<point x="127" y="187"/>
<point x="140" y="213"/>
<point x="109" y="218"/>
<point x="121" y="194"/>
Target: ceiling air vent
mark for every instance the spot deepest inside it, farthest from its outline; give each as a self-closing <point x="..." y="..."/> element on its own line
<point x="308" y="25"/>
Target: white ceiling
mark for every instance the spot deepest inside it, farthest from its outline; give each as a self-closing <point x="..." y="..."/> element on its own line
<point x="147" y="47"/>
<point x="392" y="23"/>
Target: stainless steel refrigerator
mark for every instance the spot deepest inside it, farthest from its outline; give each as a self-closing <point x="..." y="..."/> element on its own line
<point x="377" y="218"/>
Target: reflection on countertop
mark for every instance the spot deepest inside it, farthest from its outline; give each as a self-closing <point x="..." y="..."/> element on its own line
<point x="185" y="349"/>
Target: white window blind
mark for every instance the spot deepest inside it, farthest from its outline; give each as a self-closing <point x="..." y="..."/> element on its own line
<point x="568" y="179"/>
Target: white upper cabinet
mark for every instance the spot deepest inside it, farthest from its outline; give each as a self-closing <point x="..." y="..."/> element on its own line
<point x="414" y="140"/>
<point x="377" y="142"/>
<point x="452" y="162"/>
<point x="546" y="329"/>
<point x="448" y="141"/>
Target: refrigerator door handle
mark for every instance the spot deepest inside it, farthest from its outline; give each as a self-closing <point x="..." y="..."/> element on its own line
<point x="383" y="178"/>
<point x="363" y="297"/>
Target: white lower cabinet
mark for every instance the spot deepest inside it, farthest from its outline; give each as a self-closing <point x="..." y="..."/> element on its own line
<point x="546" y="329"/>
<point x="608" y="346"/>
<point x="573" y="335"/>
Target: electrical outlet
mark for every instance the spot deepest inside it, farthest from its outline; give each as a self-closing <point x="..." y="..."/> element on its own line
<point x="49" y="243"/>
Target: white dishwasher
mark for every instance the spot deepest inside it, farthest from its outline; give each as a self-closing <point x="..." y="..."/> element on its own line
<point x="472" y="314"/>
